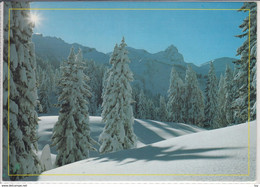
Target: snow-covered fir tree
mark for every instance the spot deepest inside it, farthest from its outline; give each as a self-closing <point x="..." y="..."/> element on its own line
<point x="194" y="101"/>
<point x="221" y="114"/>
<point x="44" y="91"/>
<point x="117" y="113"/>
<point x="211" y="98"/>
<point x="100" y="73"/>
<point x="91" y="72"/>
<point x="46" y="85"/>
<point x="71" y="134"/>
<point x="228" y="87"/>
<point x="56" y="81"/>
<point x="150" y="109"/>
<point x="236" y="107"/>
<point x="135" y="94"/>
<point x="176" y="95"/>
<point x="162" y="112"/>
<point x="19" y="106"/>
<point x="244" y="77"/>
<point x="105" y="79"/>
<point x="51" y="76"/>
<point x="142" y="106"/>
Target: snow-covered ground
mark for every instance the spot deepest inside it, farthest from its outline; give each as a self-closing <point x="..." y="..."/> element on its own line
<point x="147" y="131"/>
<point x="166" y="151"/>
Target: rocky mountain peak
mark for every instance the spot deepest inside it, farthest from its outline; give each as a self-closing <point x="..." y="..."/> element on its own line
<point x="171" y="50"/>
<point x="173" y="54"/>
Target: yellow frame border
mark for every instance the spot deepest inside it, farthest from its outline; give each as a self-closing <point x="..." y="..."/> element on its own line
<point x="132" y="9"/>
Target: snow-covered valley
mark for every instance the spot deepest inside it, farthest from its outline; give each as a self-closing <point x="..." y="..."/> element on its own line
<point x="165" y="151"/>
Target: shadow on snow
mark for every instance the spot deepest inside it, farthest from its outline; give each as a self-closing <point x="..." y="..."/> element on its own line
<point x="151" y="153"/>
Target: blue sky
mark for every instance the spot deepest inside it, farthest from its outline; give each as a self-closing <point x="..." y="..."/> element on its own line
<point x="200" y="35"/>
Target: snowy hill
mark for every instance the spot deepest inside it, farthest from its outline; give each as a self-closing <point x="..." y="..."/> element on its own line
<point x="169" y="152"/>
<point x="148" y="131"/>
<point x="151" y="71"/>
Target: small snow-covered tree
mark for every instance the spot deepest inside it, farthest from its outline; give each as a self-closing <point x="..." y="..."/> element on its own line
<point x="162" y="112"/>
<point x="142" y="106"/>
<point x="150" y="108"/>
<point x="100" y="72"/>
<point x="228" y="86"/>
<point x="194" y="102"/>
<point x="71" y="134"/>
<point x="221" y="114"/>
<point x="91" y="72"/>
<point x="44" y="93"/>
<point x="176" y="94"/>
<point x="247" y="74"/>
<point x="19" y="95"/>
<point x="57" y="77"/>
<point x="117" y="113"/>
<point x="135" y="94"/>
<point x="211" y="98"/>
<point x="46" y="85"/>
<point x="237" y="107"/>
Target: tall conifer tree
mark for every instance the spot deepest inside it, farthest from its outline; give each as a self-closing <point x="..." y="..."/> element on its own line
<point x="117" y="113"/>
<point x="19" y="95"/>
<point x="211" y="98"/>
<point x="71" y="134"/>
<point x="228" y="87"/>
<point x="221" y="114"/>
<point x="194" y="102"/>
<point x="247" y="66"/>
<point x="176" y="94"/>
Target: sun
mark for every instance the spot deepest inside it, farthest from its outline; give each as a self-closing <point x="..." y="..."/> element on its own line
<point x="35" y="18"/>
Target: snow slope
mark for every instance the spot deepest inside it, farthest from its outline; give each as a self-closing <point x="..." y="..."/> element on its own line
<point x="147" y="131"/>
<point x="220" y="154"/>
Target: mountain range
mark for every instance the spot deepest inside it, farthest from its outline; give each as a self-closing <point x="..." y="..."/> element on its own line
<point x="151" y="71"/>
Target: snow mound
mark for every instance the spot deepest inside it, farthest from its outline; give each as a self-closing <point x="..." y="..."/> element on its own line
<point x="220" y="154"/>
<point x="46" y="158"/>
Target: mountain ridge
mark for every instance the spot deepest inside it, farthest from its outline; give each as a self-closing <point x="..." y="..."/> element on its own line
<point x="151" y="70"/>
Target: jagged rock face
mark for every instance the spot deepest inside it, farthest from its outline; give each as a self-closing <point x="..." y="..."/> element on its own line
<point x="173" y="55"/>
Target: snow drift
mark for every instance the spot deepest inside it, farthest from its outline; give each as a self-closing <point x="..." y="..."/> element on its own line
<point x="213" y="155"/>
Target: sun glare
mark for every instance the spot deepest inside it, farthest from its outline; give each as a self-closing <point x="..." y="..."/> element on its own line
<point x="35" y="18"/>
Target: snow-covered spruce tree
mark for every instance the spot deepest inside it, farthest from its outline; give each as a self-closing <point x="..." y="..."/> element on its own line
<point x="23" y="119"/>
<point x="236" y="105"/>
<point x="194" y="101"/>
<point x="240" y="105"/>
<point x="142" y="106"/>
<point x="99" y="74"/>
<point x="91" y="72"/>
<point x="151" y="113"/>
<point x="135" y="94"/>
<point x="56" y="81"/>
<point x="105" y="78"/>
<point x="117" y="111"/>
<point x="176" y="101"/>
<point x="71" y="134"/>
<point x="50" y="74"/>
<point x="44" y="93"/>
<point x="221" y="114"/>
<point x="162" y="112"/>
<point x="46" y="85"/>
<point x="211" y="98"/>
<point x="228" y="87"/>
